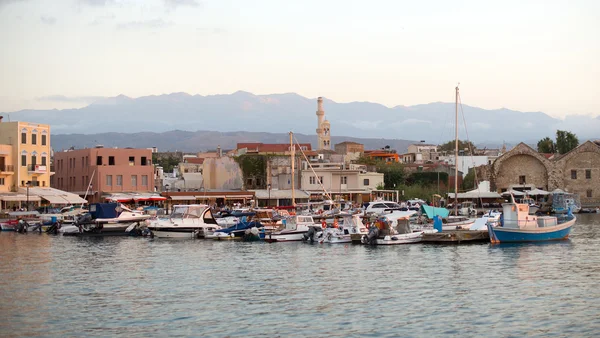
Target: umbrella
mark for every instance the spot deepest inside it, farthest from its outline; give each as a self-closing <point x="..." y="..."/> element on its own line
<point x="513" y="192"/>
<point x="536" y="192"/>
<point x="558" y="191"/>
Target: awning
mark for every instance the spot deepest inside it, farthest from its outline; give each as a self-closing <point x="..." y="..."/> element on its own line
<point x="55" y="199"/>
<point x="182" y="198"/>
<point x="19" y="198"/>
<point x="74" y="199"/>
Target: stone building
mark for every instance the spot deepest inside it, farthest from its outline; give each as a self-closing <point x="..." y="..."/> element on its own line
<point x="577" y="171"/>
<point x="350" y="150"/>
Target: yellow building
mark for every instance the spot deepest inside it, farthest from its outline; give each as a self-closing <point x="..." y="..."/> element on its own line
<point x="7" y="168"/>
<point x="29" y="155"/>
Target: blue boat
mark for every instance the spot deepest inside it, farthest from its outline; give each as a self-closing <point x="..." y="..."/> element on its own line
<point x="516" y="225"/>
<point x="238" y="230"/>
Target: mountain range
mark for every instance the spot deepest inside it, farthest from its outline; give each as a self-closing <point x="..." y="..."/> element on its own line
<point x="181" y="120"/>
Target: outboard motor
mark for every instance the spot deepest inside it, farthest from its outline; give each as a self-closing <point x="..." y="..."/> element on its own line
<point x="371" y="237"/>
<point x="22" y="226"/>
<point x="310" y="235"/>
<point x="53" y="229"/>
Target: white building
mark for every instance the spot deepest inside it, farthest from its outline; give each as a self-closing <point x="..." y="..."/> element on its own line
<point x="348" y="181"/>
<point x="467" y="162"/>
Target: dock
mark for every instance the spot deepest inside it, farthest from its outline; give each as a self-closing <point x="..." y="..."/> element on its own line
<point x="457" y="237"/>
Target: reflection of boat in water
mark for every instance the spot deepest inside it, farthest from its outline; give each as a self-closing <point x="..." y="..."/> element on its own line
<point x="516" y="225"/>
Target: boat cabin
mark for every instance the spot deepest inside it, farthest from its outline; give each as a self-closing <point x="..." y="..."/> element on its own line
<point x="193" y="211"/>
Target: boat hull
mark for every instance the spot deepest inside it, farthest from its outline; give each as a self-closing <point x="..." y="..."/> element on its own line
<point x="174" y="234"/>
<point x="410" y="238"/>
<point x="542" y="234"/>
<point x="285" y="237"/>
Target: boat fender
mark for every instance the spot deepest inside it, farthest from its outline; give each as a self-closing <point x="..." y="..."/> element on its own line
<point x="329" y="236"/>
<point x="323" y="224"/>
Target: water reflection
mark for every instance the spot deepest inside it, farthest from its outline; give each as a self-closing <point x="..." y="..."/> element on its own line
<point x="61" y="286"/>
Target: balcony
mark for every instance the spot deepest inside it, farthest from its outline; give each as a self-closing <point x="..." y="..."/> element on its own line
<point x="37" y="169"/>
<point x="7" y="169"/>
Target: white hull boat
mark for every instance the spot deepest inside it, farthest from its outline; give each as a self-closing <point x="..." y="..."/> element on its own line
<point x="410" y="238"/>
<point x="294" y="229"/>
<point x="186" y="221"/>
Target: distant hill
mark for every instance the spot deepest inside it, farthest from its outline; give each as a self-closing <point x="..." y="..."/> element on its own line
<point x="280" y="113"/>
<point x="187" y="141"/>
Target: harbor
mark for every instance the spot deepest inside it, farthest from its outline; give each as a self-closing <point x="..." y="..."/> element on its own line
<point x="136" y="286"/>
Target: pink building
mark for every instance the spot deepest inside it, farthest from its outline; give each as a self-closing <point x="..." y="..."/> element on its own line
<point x="110" y="171"/>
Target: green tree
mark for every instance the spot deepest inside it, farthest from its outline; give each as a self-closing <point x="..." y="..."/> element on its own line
<point x="566" y="141"/>
<point x="462" y="145"/>
<point x="393" y="174"/>
<point x="546" y="145"/>
<point x="468" y="182"/>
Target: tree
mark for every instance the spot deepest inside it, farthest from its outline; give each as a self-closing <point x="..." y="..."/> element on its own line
<point x="462" y="145"/>
<point x="546" y="145"/>
<point x="366" y="160"/>
<point x="393" y="174"/>
<point x="468" y="182"/>
<point x="566" y="141"/>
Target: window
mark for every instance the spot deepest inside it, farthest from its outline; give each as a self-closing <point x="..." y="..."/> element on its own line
<point x="33" y="137"/>
<point x="44" y="138"/>
<point x="109" y="180"/>
<point x="119" y="180"/>
<point x="111" y="160"/>
<point x="2" y="181"/>
<point x="144" y="160"/>
<point x="131" y="160"/>
<point x="573" y="174"/>
<point x="366" y="181"/>
<point x="321" y="180"/>
<point x="33" y="159"/>
<point x="98" y="160"/>
<point x="43" y="183"/>
<point x="589" y="193"/>
<point x="23" y="136"/>
<point x="588" y="174"/>
<point x="24" y="160"/>
<point x="522" y="179"/>
<point x="145" y="180"/>
<point x="43" y="160"/>
<point x="344" y="180"/>
<point x="134" y="180"/>
<point x="312" y="180"/>
<point x="82" y="161"/>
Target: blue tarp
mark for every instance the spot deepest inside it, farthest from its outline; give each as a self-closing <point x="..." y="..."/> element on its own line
<point x="433" y="211"/>
<point x="103" y="210"/>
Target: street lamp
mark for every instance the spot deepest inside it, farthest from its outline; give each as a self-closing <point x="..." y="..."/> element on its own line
<point x="269" y="188"/>
<point x="27" y="184"/>
<point x="167" y="189"/>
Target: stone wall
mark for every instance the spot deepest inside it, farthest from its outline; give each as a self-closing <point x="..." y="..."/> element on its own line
<point x="540" y="172"/>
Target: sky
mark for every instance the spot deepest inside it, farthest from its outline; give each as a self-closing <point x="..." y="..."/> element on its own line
<point x="523" y="55"/>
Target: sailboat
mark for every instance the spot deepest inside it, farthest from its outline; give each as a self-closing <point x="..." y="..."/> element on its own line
<point x="458" y="221"/>
<point x="296" y="227"/>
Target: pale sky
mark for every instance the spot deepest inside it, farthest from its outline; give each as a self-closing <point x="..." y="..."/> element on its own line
<point x="522" y="55"/>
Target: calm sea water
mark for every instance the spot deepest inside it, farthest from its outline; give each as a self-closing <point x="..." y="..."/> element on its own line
<point x="64" y="286"/>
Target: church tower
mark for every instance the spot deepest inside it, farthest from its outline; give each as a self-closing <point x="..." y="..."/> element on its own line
<point x="323" y="133"/>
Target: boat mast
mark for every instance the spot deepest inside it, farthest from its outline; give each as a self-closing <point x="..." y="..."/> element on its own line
<point x="293" y="159"/>
<point x="456" y="155"/>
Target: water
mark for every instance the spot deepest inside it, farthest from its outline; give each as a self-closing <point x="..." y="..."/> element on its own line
<point x="64" y="286"/>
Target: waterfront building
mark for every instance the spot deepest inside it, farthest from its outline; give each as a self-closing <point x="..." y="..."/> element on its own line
<point x="351" y="182"/>
<point x="29" y="156"/>
<point x="323" y="128"/>
<point x="100" y="172"/>
<point x="423" y="152"/>
<point x="523" y="168"/>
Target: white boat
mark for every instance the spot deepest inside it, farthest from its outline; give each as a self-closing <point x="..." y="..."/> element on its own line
<point x="186" y="221"/>
<point x="392" y="229"/>
<point x="338" y="232"/>
<point x="492" y="217"/>
<point x="125" y="215"/>
<point x="294" y="229"/>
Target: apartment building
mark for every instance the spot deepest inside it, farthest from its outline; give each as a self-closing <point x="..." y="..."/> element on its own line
<point x="27" y="163"/>
<point x="100" y="171"/>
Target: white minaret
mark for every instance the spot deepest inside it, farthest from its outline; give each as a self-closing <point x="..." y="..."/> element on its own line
<point x="323" y="132"/>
